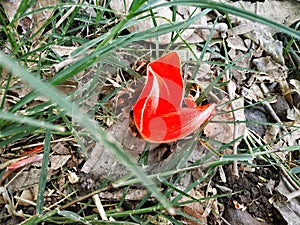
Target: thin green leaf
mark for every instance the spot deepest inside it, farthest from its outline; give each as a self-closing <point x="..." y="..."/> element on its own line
<point x="238" y="157"/>
<point x="27" y="120"/>
<point x="82" y="118"/>
<point x="72" y="216"/>
<point x="295" y="170"/>
<point x="207" y="4"/>
<point x="43" y="174"/>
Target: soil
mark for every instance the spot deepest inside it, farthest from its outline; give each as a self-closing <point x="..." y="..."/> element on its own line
<point x="253" y="191"/>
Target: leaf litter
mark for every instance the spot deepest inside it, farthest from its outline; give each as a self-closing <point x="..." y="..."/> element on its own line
<point x="260" y="74"/>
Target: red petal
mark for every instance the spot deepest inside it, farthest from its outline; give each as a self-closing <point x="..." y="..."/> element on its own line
<point x="158" y="115"/>
<point x="177" y="124"/>
<point x="22" y="162"/>
<point x="26" y="161"/>
<point x="167" y="71"/>
<point x="190" y="102"/>
<point x="164" y="81"/>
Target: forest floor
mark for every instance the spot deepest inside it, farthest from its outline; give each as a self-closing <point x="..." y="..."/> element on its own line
<point x="239" y="167"/>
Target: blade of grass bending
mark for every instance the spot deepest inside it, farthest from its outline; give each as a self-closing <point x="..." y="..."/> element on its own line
<point x="295" y="170"/>
<point x="39" y="218"/>
<point x="43" y="174"/>
<point x="72" y="216"/>
<point x="240" y="157"/>
<point x="103" y="49"/>
<point x="207" y="4"/>
<point x="82" y="119"/>
<point x="202" y="54"/>
<point x="27" y="120"/>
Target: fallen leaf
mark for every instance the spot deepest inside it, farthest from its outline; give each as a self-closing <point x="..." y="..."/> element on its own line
<point x="289" y="208"/>
<point x="40" y="17"/>
<point x="236" y="43"/>
<point x="163" y="15"/>
<point x="224" y="132"/>
<point x="274" y="70"/>
<point x="58" y="161"/>
<point x="63" y="50"/>
<point x="26" y="195"/>
<point x="27" y="179"/>
<point x="194" y="209"/>
<point x="284" y="12"/>
<point x="21" y="163"/>
<point x="293" y="114"/>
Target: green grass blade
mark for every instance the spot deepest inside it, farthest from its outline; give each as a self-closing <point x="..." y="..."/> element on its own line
<point x="43" y="174"/>
<point x="73" y="216"/>
<point x="27" y="120"/>
<point x="235" y="11"/>
<point x="82" y="119"/>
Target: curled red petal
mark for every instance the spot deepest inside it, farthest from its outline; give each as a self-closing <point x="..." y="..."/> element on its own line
<point x="190" y="102"/>
<point x="158" y="114"/>
<point x="164" y="81"/>
<point x="26" y="161"/>
<point x="22" y="162"/>
<point x="177" y="124"/>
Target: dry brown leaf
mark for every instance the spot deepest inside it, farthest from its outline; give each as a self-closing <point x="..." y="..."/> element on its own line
<point x="288" y="207"/>
<point x="284" y="12"/>
<point x="60" y="149"/>
<point x="194" y="34"/>
<point x="68" y="86"/>
<point x="272" y="47"/>
<point x="296" y="84"/>
<point x="294" y="114"/>
<point x="26" y="179"/>
<point x="63" y="50"/>
<point x="61" y="183"/>
<point x="39" y="18"/>
<point x="274" y="71"/>
<point x="103" y="164"/>
<point x="223" y="132"/>
<point x="194" y="209"/>
<point x="271" y="133"/>
<point x="58" y="161"/>
<point x="26" y="195"/>
<point x="11" y="8"/>
<point x="242" y="27"/>
<point x="294" y="138"/>
<point x="240" y="60"/>
<point x="31" y="22"/>
<point x="236" y="43"/>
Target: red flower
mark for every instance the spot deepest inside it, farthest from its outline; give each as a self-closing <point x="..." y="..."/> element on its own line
<point x="158" y="113"/>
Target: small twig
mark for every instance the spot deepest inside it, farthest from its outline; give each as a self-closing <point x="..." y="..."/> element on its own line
<point x="221" y="27"/>
<point x="269" y="108"/>
<point x="231" y="93"/>
<point x="9" y="203"/>
<point x="61" y="200"/>
<point x="57" y="67"/>
<point x="100" y="207"/>
<point x="288" y="179"/>
<point x="29" y="202"/>
<point x="81" y="198"/>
